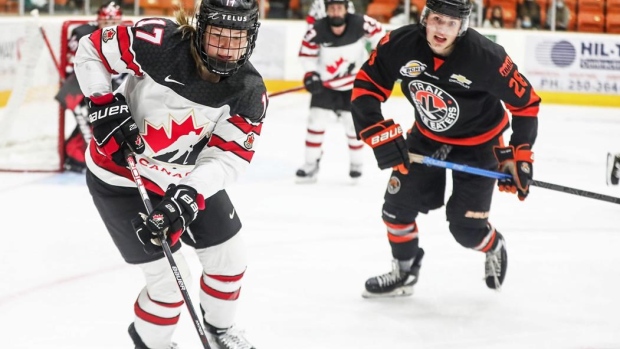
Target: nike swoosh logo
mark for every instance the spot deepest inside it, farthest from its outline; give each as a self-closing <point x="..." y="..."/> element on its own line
<point x="167" y="79"/>
<point x="232" y="214"/>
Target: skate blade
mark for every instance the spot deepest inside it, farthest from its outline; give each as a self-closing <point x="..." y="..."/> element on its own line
<point x="399" y="292"/>
<point x="305" y="180"/>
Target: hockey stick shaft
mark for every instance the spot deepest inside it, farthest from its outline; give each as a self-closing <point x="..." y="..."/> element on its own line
<point x="298" y="88"/>
<point x="131" y="160"/>
<point x="35" y="14"/>
<point x="426" y="160"/>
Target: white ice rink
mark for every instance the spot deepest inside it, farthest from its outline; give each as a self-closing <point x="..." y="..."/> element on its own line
<point x="311" y="247"/>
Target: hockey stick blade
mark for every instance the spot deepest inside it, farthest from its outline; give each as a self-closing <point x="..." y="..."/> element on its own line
<point x="427" y="160"/>
<point x="131" y="161"/>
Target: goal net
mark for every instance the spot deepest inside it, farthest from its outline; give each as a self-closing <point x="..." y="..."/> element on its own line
<point x="33" y="126"/>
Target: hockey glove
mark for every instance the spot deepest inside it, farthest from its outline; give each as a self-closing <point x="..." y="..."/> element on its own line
<point x="517" y="162"/>
<point x="113" y="127"/>
<point x="172" y="216"/>
<point x="313" y="82"/>
<point x="387" y="142"/>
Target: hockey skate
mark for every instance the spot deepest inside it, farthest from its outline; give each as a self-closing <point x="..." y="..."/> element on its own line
<point x="496" y="264"/>
<point x="227" y="338"/>
<point x="613" y="168"/>
<point x="396" y="283"/>
<point x="308" y="173"/>
<point x="137" y="341"/>
<point x="355" y="171"/>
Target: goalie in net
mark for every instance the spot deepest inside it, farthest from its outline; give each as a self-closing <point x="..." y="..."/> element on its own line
<point x="70" y="96"/>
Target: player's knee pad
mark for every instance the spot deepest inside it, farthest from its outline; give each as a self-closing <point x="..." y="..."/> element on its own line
<point x="397" y="215"/>
<point x="469" y="236"/>
<point x="224" y="264"/>
<point x="161" y="283"/>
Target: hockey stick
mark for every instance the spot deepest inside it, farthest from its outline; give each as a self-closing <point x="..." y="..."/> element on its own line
<point x="131" y="160"/>
<point x="35" y="14"/>
<point x="298" y="88"/>
<point x="427" y="160"/>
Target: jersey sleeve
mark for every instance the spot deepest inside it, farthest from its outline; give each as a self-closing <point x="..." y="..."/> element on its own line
<point x="373" y="85"/>
<point x="231" y="146"/>
<point x="520" y="99"/>
<point x="112" y="50"/>
<point x="374" y="31"/>
<point x="309" y="51"/>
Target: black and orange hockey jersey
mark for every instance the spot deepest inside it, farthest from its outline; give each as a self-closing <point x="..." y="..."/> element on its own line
<point x="457" y="99"/>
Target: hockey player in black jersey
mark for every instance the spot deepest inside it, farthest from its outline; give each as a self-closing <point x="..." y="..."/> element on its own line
<point x="109" y="14"/>
<point x="192" y="110"/>
<point x="456" y="79"/>
<point x="332" y="52"/>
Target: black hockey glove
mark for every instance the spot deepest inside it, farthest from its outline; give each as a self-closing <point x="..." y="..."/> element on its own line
<point x="313" y="82"/>
<point x="387" y="142"/>
<point x="113" y="127"/>
<point x="178" y="208"/>
<point x="517" y="162"/>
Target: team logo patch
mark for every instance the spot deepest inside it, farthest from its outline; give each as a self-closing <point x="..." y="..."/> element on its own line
<point x="157" y="220"/>
<point x="412" y="69"/>
<point x="437" y="109"/>
<point x="525" y="167"/>
<point x="393" y="186"/>
<point x="108" y="34"/>
<point x="249" y="142"/>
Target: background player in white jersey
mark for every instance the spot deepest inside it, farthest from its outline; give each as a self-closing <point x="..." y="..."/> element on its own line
<point x="191" y="109"/>
<point x="332" y="52"/>
<point x="317" y="11"/>
<point x="70" y="96"/>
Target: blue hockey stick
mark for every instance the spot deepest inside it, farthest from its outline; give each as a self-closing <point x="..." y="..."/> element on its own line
<point x="427" y="160"/>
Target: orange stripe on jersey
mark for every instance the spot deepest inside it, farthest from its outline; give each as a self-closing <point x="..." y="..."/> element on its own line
<point x="124" y="44"/>
<point x="479" y="139"/>
<point x="361" y="75"/>
<point x="438" y="62"/>
<point x="95" y="37"/>
<point x="531" y="109"/>
<point x="358" y="92"/>
<point x="488" y="246"/>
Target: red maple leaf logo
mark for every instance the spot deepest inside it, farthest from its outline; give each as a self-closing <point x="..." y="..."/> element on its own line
<point x="334" y="68"/>
<point x="108" y="35"/>
<point x="160" y="137"/>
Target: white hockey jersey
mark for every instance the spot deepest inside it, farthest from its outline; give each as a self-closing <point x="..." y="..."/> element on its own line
<point x="196" y="133"/>
<point x="338" y="58"/>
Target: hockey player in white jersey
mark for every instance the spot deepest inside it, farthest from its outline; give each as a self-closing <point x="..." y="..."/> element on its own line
<point x="317" y="11"/>
<point x="332" y="52"/>
<point x="613" y="168"/>
<point x="191" y="109"/>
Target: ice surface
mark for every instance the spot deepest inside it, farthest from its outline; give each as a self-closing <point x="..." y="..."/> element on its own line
<point x="311" y="248"/>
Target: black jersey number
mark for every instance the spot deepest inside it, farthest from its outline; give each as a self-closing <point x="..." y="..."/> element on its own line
<point x="518" y="83"/>
<point x="156" y="35"/>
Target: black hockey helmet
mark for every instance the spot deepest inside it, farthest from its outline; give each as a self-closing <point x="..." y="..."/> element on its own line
<point x="344" y="2"/>
<point x="110" y="11"/>
<point x="227" y="14"/>
<point x="460" y="9"/>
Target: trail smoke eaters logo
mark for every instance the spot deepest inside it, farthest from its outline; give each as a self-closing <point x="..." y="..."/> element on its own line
<point x="108" y="35"/>
<point x="176" y="142"/>
<point x="437" y="109"/>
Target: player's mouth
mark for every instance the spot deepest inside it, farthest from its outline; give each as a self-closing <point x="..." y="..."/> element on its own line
<point x="439" y="39"/>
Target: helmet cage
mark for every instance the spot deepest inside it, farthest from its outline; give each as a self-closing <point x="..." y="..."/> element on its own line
<point x="459" y="9"/>
<point x="226" y="18"/>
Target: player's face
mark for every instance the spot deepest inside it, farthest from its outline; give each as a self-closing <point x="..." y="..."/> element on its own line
<point x="108" y="22"/>
<point x="441" y="32"/>
<point x="227" y="45"/>
<point x="336" y="10"/>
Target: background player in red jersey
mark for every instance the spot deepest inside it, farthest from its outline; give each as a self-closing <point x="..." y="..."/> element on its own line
<point x="457" y="80"/>
<point x="332" y="52"/>
<point x="191" y="109"/>
<point x="109" y="14"/>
